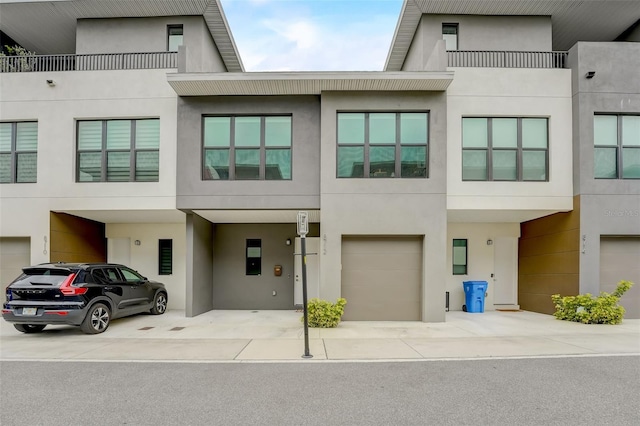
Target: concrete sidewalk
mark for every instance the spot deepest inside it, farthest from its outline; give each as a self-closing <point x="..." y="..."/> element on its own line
<point x="241" y="336"/>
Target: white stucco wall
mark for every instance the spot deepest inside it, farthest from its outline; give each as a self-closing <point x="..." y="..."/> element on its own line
<point x="480" y="258"/>
<point x="82" y="95"/>
<point x="505" y="92"/>
<point x="144" y="257"/>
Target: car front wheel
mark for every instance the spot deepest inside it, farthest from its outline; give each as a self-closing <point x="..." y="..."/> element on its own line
<point x="97" y="319"/>
<point x="159" y="304"/>
<point x="29" y="328"/>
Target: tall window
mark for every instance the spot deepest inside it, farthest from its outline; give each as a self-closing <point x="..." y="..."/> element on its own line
<point x="247" y="148"/>
<point x="175" y="37"/>
<point x="459" y="256"/>
<point x="18" y="152"/>
<point x="254" y="257"/>
<point x="118" y="150"/>
<point x="616" y="141"/>
<point x="383" y="144"/>
<point x="165" y="257"/>
<point x="505" y="149"/>
<point x="450" y="36"/>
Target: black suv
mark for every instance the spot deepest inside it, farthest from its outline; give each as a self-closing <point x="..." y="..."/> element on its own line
<point x="86" y="294"/>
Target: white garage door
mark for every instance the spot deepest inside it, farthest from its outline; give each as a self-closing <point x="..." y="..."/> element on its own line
<point x="620" y="260"/>
<point x="382" y="278"/>
<point x="15" y="253"/>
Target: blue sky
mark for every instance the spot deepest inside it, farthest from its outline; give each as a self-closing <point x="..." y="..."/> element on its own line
<point x="312" y="35"/>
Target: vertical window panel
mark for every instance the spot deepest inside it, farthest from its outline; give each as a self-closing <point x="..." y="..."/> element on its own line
<point x="278" y="164"/>
<point x="118" y="166"/>
<point x="605" y="130"/>
<point x="119" y="134"/>
<point x="631" y="163"/>
<point x="5" y="168"/>
<point x="147" y="166"/>
<point x="27" y="167"/>
<point x="277" y="131"/>
<point x="19" y="148"/>
<point x="382" y="161"/>
<point x="459" y="257"/>
<point x="414" y="161"/>
<point x="217" y="131"/>
<point x="89" y="135"/>
<point x="148" y="134"/>
<point x="631" y="130"/>
<point x="175" y="37"/>
<point x="351" y="161"/>
<point x="505" y="165"/>
<point x="413" y="128"/>
<point x="165" y="257"/>
<point x="351" y="128"/>
<point x="382" y="128"/>
<point x="450" y="36"/>
<point x="90" y="167"/>
<point x="5" y="136"/>
<point x="534" y="133"/>
<point x="27" y="136"/>
<point x="534" y="166"/>
<point x="605" y="162"/>
<point x="254" y="257"/>
<point x="474" y="165"/>
<point x="474" y="133"/>
<point x="216" y="164"/>
<point x="247" y="131"/>
<point x="504" y="133"/>
<point x="247" y="164"/>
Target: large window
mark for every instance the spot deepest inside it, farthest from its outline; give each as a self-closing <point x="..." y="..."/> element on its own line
<point x="175" y="36"/>
<point x="18" y="152"/>
<point x="118" y="150"/>
<point x="383" y="144"/>
<point x="505" y="149"/>
<point x="450" y="36"/>
<point x="247" y="147"/>
<point x="616" y="141"/>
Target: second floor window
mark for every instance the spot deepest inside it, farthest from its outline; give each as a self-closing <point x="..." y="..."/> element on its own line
<point x="450" y="36"/>
<point x="505" y="149"/>
<point x="18" y="152"/>
<point x="616" y="141"/>
<point x="175" y="37"/>
<point x="383" y="144"/>
<point x="118" y="150"/>
<point x="247" y="148"/>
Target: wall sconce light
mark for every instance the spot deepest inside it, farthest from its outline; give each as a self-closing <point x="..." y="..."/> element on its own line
<point x="590" y="74"/>
<point x="489" y="242"/>
<point x="137" y="242"/>
<point x="51" y="83"/>
<point x="288" y="242"/>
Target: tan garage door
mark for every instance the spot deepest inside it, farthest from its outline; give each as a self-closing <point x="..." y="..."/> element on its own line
<point x="620" y="260"/>
<point x="381" y="278"/>
<point x="15" y="253"/>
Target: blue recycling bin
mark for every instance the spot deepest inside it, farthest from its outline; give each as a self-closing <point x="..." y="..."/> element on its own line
<point x="474" y="292"/>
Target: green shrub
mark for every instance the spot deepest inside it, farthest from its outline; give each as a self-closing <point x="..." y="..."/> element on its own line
<point x="586" y="309"/>
<point x="323" y="314"/>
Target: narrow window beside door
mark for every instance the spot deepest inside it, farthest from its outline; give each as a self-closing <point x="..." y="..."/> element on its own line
<point x="459" y="256"/>
<point x="165" y="257"/>
<point x="254" y="257"/>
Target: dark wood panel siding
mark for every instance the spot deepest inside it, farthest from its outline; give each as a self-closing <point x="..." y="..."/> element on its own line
<point x="549" y="259"/>
<point x="75" y="239"/>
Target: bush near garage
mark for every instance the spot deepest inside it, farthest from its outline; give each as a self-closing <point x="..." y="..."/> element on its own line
<point x="587" y="309"/>
<point x="324" y="314"/>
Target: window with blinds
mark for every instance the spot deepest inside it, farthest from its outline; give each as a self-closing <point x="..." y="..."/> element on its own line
<point x="18" y="152"/>
<point x="165" y="257"/>
<point x="118" y="150"/>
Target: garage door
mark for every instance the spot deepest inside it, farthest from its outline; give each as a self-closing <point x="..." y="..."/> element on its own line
<point x="15" y="253"/>
<point x="382" y="278"/>
<point x="619" y="261"/>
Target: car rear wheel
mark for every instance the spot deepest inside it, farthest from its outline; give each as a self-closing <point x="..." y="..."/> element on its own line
<point x="29" y="328"/>
<point x="159" y="304"/>
<point x="97" y="319"/>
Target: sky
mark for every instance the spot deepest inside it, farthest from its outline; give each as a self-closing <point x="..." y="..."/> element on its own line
<point x="312" y="35"/>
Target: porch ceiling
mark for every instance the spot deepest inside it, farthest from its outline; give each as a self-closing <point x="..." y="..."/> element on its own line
<point x="305" y="83"/>
<point x="130" y="216"/>
<point x="256" y="216"/>
<point x="495" y="216"/>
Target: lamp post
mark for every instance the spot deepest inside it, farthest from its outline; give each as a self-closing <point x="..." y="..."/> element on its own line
<point x="303" y="229"/>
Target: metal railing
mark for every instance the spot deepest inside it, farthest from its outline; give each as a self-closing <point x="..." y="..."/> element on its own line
<point x="506" y="59"/>
<point x="89" y="62"/>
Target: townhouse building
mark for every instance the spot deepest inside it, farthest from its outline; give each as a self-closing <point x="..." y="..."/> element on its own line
<point x="500" y="143"/>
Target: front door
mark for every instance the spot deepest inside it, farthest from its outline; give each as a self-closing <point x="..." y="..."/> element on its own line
<point x="505" y="271"/>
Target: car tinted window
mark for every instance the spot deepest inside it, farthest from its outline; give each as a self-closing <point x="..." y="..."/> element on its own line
<point x="41" y="276"/>
<point x="112" y="274"/>
<point x="130" y="275"/>
<point x="99" y="276"/>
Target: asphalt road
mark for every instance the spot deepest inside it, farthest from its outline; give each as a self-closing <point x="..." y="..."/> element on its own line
<point x="550" y="391"/>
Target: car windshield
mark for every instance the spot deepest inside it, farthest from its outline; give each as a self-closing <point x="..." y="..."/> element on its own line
<point x="42" y="276"/>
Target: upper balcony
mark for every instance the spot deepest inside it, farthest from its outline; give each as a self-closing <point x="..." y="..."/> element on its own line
<point x="506" y="59"/>
<point x="89" y="62"/>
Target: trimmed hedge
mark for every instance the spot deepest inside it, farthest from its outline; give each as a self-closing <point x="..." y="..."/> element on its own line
<point x="586" y="309"/>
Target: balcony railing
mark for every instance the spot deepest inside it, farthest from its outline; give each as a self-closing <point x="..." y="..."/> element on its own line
<point x="92" y="62"/>
<point x="501" y="59"/>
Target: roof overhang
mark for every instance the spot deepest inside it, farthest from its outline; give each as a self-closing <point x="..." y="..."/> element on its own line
<point x="572" y="20"/>
<point x="256" y="216"/>
<point x="49" y="27"/>
<point x="305" y="83"/>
